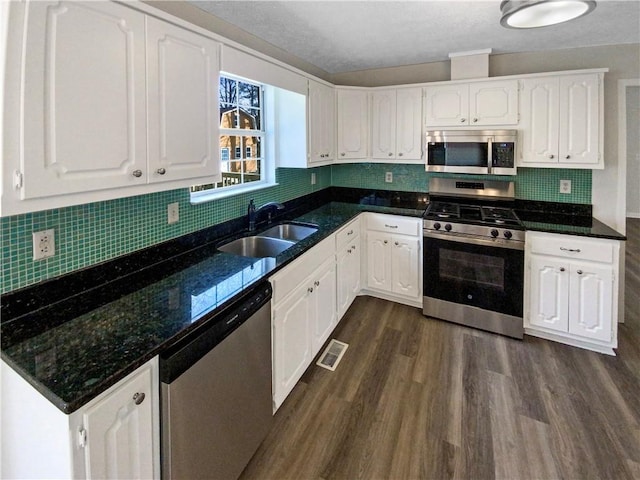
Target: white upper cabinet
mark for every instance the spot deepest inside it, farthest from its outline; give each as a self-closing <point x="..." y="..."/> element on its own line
<point x="472" y="104"/>
<point x="352" y="123"/>
<point x="396" y="124"/>
<point x="321" y="123"/>
<point x="561" y="122"/>
<point x="447" y="105"/>
<point x="182" y="92"/>
<point x="114" y="103"/>
<point x="84" y="98"/>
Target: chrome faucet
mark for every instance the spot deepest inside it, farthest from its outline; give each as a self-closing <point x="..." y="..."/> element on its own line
<point x="252" y="212"/>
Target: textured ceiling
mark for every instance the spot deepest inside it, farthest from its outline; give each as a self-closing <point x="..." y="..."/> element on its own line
<point x="345" y="36"/>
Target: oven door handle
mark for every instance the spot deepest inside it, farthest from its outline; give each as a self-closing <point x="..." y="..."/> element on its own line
<point x="489" y="242"/>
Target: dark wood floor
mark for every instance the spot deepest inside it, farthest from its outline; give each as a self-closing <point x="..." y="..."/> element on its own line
<point x="421" y="398"/>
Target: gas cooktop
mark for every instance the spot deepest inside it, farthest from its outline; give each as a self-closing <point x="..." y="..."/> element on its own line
<point x="473" y="214"/>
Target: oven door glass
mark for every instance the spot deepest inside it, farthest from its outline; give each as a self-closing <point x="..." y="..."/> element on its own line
<point x="490" y="278"/>
<point x="458" y="156"/>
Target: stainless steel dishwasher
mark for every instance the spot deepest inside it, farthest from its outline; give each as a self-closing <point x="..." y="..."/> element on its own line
<point x="216" y="392"/>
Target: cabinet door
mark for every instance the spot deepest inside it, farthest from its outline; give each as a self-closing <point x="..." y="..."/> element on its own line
<point x="383" y="124"/>
<point x="84" y="105"/>
<point x="353" y="124"/>
<point x="324" y="318"/>
<point x="493" y="103"/>
<point x="291" y="342"/>
<point x="405" y="262"/>
<point x="120" y="432"/>
<point x="321" y="123"/>
<point x="579" y="114"/>
<point x="591" y="297"/>
<point x="182" y="99"/>
<point x="409" y="124"/>
<point x="549" y="293"/>
<point x="447" y="106"/>
<point x="539" y="122"/>
<point x="348" y="275"/>
<point x="379" y="261"/>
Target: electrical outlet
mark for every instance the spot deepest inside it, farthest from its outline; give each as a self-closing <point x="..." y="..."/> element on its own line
<point x="565" y="186"/>
<point x="388" y="177"/>
<point x="173" y="213"/>
<point x="44" y="245"/>
<point x="313" y="178"/>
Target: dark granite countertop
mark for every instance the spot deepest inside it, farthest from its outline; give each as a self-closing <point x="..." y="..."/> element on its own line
<point x="567" y="224"/>
<point x="76" y="349"/>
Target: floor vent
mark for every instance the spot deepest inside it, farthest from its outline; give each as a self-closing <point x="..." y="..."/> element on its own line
<point x="332" y="355"/>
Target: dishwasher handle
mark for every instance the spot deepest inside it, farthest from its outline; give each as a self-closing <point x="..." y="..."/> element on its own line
<point x="187" y="351"/>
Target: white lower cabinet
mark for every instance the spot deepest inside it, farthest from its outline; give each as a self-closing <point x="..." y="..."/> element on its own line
<point x="304" y="313"/>
<point x="116" y="435"/>
<point x="348" y="265"/>
<point x="393" y="259"/>
<point x="571" y="290"/>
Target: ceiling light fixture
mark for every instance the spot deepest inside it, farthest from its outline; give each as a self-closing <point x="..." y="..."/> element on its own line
<point x="542" y="13"/>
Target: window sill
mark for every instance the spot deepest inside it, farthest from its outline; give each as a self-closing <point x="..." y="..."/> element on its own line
<point x="203" y="197"/>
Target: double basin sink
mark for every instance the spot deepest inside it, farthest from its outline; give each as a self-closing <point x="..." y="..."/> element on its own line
<point x="271" y="242"/>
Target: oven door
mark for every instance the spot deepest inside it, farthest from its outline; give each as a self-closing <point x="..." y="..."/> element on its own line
<point x="485" y="275"/>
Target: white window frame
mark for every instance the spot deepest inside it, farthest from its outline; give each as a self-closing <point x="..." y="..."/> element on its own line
<point x="267" y="158"/>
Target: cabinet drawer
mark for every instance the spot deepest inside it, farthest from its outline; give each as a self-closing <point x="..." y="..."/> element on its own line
<point x="287" y="279"/>
<point x="348" y="232"/>
<point x="393" y="224"/>
<point x="566" y="246"/>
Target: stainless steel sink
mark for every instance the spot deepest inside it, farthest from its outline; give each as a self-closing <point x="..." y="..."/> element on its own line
<point x="257" y="246"/>
<point x="290" y="231"/>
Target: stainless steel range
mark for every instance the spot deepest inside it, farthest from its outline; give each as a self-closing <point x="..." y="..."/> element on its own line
<point x="474" y="255"/>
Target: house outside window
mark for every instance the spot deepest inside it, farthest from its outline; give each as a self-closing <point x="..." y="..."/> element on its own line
<point x="241" y="130"/>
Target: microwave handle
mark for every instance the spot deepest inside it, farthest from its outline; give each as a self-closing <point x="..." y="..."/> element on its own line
<point x="490" y="154"/>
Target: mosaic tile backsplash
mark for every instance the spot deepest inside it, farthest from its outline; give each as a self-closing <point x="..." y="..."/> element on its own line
<point x="93" y="233"/>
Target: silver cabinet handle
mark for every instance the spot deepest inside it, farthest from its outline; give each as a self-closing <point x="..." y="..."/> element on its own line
<point x="350" y="232"/>
<point x="138" y="398"/>
<point x="137" y="173"/>
<point x="400" y="154"/>
<point x="568" y="157"/>
<point x="576" y="250"/>
<point x="562" y="269"/>
<point x="397" y="244"/>
<point x="552" y="156"/>
<point x="386" y="241"/>
<point x="579" y="272"/>
<point x="349" y="250"/>
<point x="310" y="289"/>
<point x="342" y="154"/>
<point x="462" y="120"/>
<point x="161" y="171"/>
<point x="391" y="226"/>
<point x="353" y="247"/>
<point x="475" y="120"/>
<point x="390" y="154"/>
<point x="316" y="283"/>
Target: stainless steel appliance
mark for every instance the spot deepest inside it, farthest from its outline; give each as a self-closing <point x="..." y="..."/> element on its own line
<point x="473" y="256"/>
<point x="472" y="151"/>
<point x="216" y="393"/>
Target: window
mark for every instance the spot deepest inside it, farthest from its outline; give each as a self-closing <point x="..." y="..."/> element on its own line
<point x="241" y="131"/>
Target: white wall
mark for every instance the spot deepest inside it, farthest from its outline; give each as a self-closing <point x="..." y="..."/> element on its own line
<point x="633" y="151"/>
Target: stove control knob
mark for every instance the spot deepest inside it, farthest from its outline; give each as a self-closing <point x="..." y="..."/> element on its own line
<point x="494" y="233"/>
<point x="447" y="227"/>
<point x="436" y="226"/>
<point x="507" y="234"/>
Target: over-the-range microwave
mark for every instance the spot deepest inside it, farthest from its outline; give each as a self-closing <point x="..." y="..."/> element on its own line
<point x="472" y="151"/>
